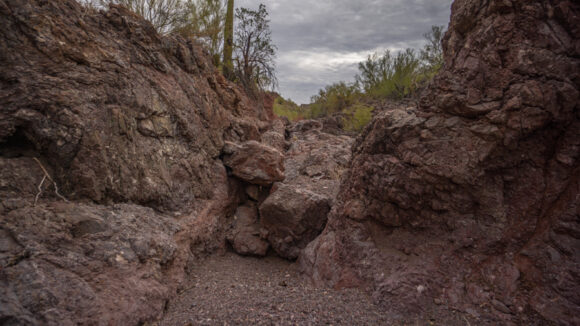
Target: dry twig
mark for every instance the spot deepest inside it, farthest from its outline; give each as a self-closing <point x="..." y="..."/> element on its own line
<point x="39" y="190"/>
<point x="46" y="175"/>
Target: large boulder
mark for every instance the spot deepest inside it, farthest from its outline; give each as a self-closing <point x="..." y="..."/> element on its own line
<point x="254" y="162"/>
<point x="470" y="201"/>
<point x="293" y="217"/>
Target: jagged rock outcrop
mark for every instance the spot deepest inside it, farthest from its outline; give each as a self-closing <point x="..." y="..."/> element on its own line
<point x="130" y="126"/>
<point x="70" y="263"/>
<point x="471" y="201"/>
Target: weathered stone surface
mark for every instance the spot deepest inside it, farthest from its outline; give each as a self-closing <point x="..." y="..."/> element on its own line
<point x="316" y="160"/>
<point x="118" y="116"/>
<point x="245" y="234"/>
<point x="275" y="139"/>
<point x="293" y="217"/>
<point x="118" y="112"/>
<point x="471" y="200"/>
<point x="254" y="162"/>
<point x="306" y="125"/>
<point x="69" y="263"/>
<point x="296" y="210"/>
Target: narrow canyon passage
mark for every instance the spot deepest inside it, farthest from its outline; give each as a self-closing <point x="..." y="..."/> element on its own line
<point x="139" y="185"/>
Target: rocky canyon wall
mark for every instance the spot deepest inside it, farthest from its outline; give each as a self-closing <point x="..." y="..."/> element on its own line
<point x="471" y="200"/>
<point x="119" y="112"/>
<point x="129" y="125"/>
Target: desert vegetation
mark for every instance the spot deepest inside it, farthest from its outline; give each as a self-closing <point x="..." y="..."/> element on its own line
<point x="239" y="41"/>
<point x="383" y="76"/>
<point x="240" y="44"/>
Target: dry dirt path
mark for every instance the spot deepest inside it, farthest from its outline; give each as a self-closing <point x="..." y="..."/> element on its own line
<point x="235" y="290"/>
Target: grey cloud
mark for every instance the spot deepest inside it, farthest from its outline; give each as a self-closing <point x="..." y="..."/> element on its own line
<point x="343" y="26"/>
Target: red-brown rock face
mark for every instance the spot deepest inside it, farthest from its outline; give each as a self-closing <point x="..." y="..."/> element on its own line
<point x="118" y="116"/>
<point x="120" y="113"/>
<point x="472" y="200"/>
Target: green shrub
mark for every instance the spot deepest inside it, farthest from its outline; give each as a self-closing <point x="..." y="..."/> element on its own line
<point x="288" y="109"/>
<point x="399" y="76"/>
<point x="389" y="76"/>
<point x="393" y="76"/>
<point x="333" y="98"/>
<point x="357" y="117"/>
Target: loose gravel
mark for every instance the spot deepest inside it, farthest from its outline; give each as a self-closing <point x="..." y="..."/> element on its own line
<point x="229" y="290"/>
<point x="235" y="290"/>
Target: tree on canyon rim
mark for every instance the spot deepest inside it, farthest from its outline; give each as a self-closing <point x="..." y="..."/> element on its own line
<point x="254" y="49"/>
<point x="204" y="20"/>
<point x="207" y="20"/>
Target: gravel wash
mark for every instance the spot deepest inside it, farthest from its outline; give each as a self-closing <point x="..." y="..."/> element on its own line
<point x="235" y="290"/>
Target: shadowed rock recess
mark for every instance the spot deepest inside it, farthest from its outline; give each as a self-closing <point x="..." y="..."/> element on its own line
<point x="472" y="200"/>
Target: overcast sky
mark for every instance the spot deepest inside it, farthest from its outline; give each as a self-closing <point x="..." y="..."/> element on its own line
<point x="322" y="41"/>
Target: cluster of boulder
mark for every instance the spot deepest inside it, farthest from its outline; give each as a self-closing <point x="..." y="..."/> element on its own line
<point x="288" y="191"/>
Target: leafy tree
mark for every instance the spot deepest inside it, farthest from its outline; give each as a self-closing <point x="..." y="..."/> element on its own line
<point x="255" y="52"/>
<point x="200" y="19"/>
<point x="398" y="76"/>
<point x="404" y="77"/>
<point x="432" y="52"/>
<point x="228" y="67"/>
<point x="374" y="70"/>
<point x="390" y="76"/>
<point x="387" y="75"/>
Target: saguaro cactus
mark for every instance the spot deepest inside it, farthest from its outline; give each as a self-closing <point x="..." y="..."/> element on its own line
<point x="228" y="67"/>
